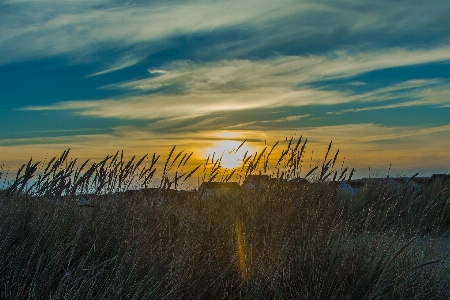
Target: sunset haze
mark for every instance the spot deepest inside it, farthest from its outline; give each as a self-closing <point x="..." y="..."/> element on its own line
<point x="105" y="76"/>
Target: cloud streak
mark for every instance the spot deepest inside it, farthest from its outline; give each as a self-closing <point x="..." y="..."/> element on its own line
<point x="82" y="28"/>
<point x="122" y="64"/>
<point x="50" y="27"/>
<point x="184" y="89"/>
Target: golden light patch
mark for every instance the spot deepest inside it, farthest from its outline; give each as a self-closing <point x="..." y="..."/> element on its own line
<point x="240" y="243"/>
<point x="232" y="155"/>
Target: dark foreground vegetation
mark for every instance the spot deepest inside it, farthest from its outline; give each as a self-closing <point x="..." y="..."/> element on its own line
<point x="283" y="242"/>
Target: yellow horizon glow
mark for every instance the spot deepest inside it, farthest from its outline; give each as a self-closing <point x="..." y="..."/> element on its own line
<point x="363" y="146"/>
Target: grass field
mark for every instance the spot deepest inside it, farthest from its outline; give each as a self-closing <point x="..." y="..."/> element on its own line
<point x="284" y="242"/>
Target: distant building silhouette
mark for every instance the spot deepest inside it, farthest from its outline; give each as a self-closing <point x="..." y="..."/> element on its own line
<point x="255" y="182"/>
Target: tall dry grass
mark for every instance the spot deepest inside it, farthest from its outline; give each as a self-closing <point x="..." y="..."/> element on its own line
<point x="285" y="242"/>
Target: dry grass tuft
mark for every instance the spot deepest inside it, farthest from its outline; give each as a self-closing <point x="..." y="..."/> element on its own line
<point x="72" y="232"/>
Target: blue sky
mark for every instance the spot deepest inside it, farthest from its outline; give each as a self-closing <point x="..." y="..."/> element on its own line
<point x="102" y="76"/>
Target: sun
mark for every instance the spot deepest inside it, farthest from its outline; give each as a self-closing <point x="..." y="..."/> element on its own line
<point x="232" y="154"/>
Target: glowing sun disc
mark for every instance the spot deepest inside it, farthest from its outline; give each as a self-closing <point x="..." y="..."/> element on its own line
<point x="232" y="158"/>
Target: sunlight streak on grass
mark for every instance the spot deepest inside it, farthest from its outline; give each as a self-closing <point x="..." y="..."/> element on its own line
<point x="240" y="243"/>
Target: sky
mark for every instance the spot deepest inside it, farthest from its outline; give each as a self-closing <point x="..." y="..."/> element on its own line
<point x="142" y="76"/>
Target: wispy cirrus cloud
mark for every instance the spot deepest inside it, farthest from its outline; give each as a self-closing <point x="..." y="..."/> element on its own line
<point x="184" y="89"/>
<point x="123" y="63"/>
<point x="412" y="93"/>
<point x="231" y="76"/>
<point x="264" y="123"/>
<point x="51" y="27"/>
<point x="33" y="29"/>
<point x="189" y="106"/>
